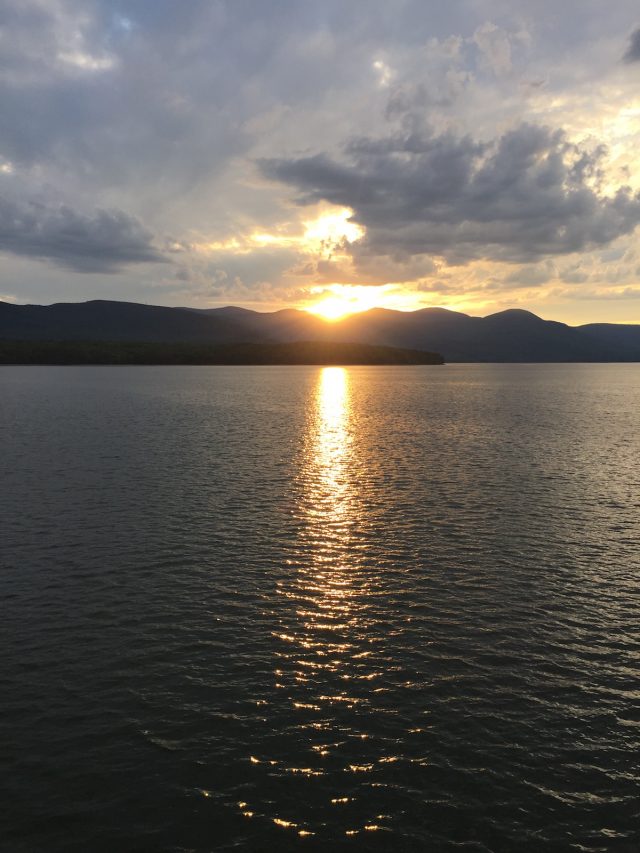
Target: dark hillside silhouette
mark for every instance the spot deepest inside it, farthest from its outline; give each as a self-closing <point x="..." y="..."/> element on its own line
<point x="512" y="335"/>
<point x="121" y="352"/>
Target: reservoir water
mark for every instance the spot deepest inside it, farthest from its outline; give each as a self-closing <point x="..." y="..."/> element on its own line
<point x="390" y="608"/>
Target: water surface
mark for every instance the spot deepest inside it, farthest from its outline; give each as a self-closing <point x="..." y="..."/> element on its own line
<point x="320" y="609"/>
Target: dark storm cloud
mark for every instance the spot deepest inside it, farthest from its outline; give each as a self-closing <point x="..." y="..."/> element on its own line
<point x="527" y="195"/>
<point x="633" y="51"/>
<point x="101" y="242"/>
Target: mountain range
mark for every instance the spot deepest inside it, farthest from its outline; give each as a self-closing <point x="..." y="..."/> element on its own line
<point x="513" y="335"/>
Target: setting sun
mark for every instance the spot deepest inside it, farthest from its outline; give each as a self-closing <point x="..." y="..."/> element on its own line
<point x="333" y="308"/>
<point x="339" y="300"/>
<point x="343" y="300"/>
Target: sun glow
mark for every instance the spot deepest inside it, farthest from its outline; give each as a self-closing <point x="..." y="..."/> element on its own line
<point x="323" y="276"/>
<point x="336" y="301"/>
<point x="324" y="236"/>
<point x="330" y="229"/>
<point x="333" y="308"/>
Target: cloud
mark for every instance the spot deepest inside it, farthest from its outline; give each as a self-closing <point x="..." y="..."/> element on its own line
<point x="531" y="275"/>
<point x="155" y="115"/>
<point x="102" y="241"/>
<point x="495" y="47"/>
<point x="633" y="51"/>
<point x="525" y="196"/>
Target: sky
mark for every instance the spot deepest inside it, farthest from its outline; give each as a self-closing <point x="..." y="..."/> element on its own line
<point x="476" y="155"/>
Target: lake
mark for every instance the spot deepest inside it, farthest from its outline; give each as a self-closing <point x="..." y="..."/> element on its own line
<point x="298" y="608"/>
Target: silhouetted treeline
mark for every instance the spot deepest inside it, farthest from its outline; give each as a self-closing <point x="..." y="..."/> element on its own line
<point x="124" y="352"/>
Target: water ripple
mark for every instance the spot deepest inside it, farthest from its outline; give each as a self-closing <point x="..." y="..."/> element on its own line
<point x="293" y="608"/>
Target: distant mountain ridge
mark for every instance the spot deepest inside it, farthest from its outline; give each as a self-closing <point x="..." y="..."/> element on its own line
<point x="513" y="335"/>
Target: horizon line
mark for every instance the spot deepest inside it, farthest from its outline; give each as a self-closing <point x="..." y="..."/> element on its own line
<point x="320" y="317"/>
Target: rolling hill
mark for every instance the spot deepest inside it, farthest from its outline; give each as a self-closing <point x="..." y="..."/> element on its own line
<point x="513" y="335"/>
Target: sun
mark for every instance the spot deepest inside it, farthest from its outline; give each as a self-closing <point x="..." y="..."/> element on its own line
<point x="336" y="301"/>
<point x="332" y="308"/>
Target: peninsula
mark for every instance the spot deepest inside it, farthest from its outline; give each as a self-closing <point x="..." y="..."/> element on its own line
<point x="125" y="352"/>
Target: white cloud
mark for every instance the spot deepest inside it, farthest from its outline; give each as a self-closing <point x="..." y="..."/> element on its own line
<point x="495" y="48"/>
<point x="86" y="62"/>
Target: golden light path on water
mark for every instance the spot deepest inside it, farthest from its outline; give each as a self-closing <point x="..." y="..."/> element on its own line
<point x="327" y="592"/>
<point x="324" y="666"/>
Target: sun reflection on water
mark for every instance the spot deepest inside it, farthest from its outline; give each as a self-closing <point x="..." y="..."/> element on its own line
<point x="331" y="434"/>
<point x="330" y="509"/>
<point x="328" y="499"/>
<point x="325" y="666"/>
<point x="323" y="593"/>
